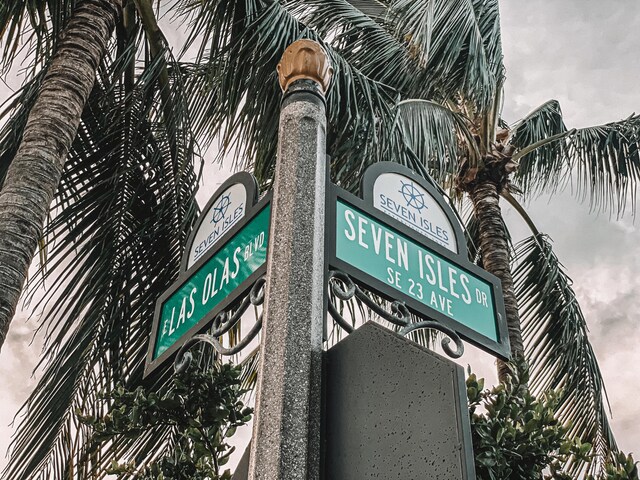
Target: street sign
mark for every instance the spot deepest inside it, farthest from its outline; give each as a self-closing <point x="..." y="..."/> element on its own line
<point x="399" y="262"/>
<point x="213" y="282"/>
<point x="411" y="204"/>
<point x="217" y="279"/>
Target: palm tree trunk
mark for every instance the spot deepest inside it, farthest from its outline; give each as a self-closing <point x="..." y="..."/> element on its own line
<point x="34" y="174"/>
<point x="495" y="259"/>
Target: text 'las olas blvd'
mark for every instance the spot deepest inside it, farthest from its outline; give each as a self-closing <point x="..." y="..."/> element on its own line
<point x="213" y="281"/>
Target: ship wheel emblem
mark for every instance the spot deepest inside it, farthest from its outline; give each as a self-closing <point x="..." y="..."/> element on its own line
<point x="412" y="196"/>
<point x="220" y="209"/>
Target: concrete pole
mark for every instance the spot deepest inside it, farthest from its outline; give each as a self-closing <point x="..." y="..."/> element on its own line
<point x="286" y="432"/>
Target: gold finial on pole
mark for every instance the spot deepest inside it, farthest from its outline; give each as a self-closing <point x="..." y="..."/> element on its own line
<point x="305" y="60"/>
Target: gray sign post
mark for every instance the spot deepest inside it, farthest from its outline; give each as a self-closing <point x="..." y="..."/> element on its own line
<point x="286" y="432"/>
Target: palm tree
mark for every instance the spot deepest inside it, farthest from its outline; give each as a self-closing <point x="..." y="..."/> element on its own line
<point x="100" y="130"/>
<point x="417" y="82"/>
<point x="34" y="173"/>
<point x="421" y="83"/>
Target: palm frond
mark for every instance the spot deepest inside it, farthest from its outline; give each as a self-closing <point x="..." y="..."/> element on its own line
<point x="602" y="163"/>
<point x="459" y="44"/>
<point x="234" y="101"/>
<point x="540" y="124"/>
<point x="441" y="50"/>
<point x="119" y="224"/>
<point x="558" y="349"/>
<point x="607" y="163"/>
<point x="535" y="129"/>
<point x="241" y="95"/>
<point x="372" y="8"/>
<point x="488" y="15"/>
<point x="31" y="28"/>
<point x="438" y="136"/>
<point x="396" y="49"/>
<point x="362" y="41"/>
<point x="15" y="112"/>
<point x="359" y="124"/>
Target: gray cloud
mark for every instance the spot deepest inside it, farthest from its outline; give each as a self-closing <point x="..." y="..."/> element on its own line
<point x="19" y="357"/>
<point x="584" y="54"/>
<point x="602" y="257"/>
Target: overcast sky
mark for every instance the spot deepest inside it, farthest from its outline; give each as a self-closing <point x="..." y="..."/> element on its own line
<point x="585" y="54"/>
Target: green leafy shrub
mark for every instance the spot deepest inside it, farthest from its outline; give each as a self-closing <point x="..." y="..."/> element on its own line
<point x="622" y="467"/>
<point x="203" y="407"/>
<point x="516" y="436"/>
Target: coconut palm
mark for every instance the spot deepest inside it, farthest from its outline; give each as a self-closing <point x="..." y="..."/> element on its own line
<point x="421" y="83"/>
<point x="100" y="129"/>
<point x="47" y="136"/>
<point x="417" y="82"/>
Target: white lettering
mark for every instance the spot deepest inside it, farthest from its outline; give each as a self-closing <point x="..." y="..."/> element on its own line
<point x="403" y="255"/>
<point x="192" y="304"/>
<point x="393" y="278"/>
<point x="236" y="262"/>
<point x="361" y="223"/>
<point x="442" y="287"/>
<point x="452" y="281"/>
<point x="349" y="216"/>
<point x="224" y="280"/>
<point x="183" y="312"/>
<point x="484" y="299"/>
<point x="213" y="283"/>
<point x="479" y="294"/>
<point x="431" y="277"/>
<point x="376" y="238"/>
<point x="206" y="289"/>
<point x="434" y="300"/>
<point x="388" y="245"/>
<point x="171" y="328"/>
<point x="466" y="296"/>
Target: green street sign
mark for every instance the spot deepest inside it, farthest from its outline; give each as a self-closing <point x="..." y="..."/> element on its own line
<point x="391" y="259"/>
<point x="211" y="285"/>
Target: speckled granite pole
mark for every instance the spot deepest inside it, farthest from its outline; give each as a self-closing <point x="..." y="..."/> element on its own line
<point x="286" y="432"/>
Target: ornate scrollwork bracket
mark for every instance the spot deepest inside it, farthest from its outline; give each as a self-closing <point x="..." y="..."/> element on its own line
<point x="222" y="323"/>
<point x="342" y="287"/>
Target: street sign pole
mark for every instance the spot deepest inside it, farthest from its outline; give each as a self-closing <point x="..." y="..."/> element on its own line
<point x="286" y="432"/>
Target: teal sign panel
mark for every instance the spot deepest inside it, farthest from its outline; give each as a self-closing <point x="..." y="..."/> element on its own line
<point x="414" y="270"/>
<point x="213" y="282"/>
